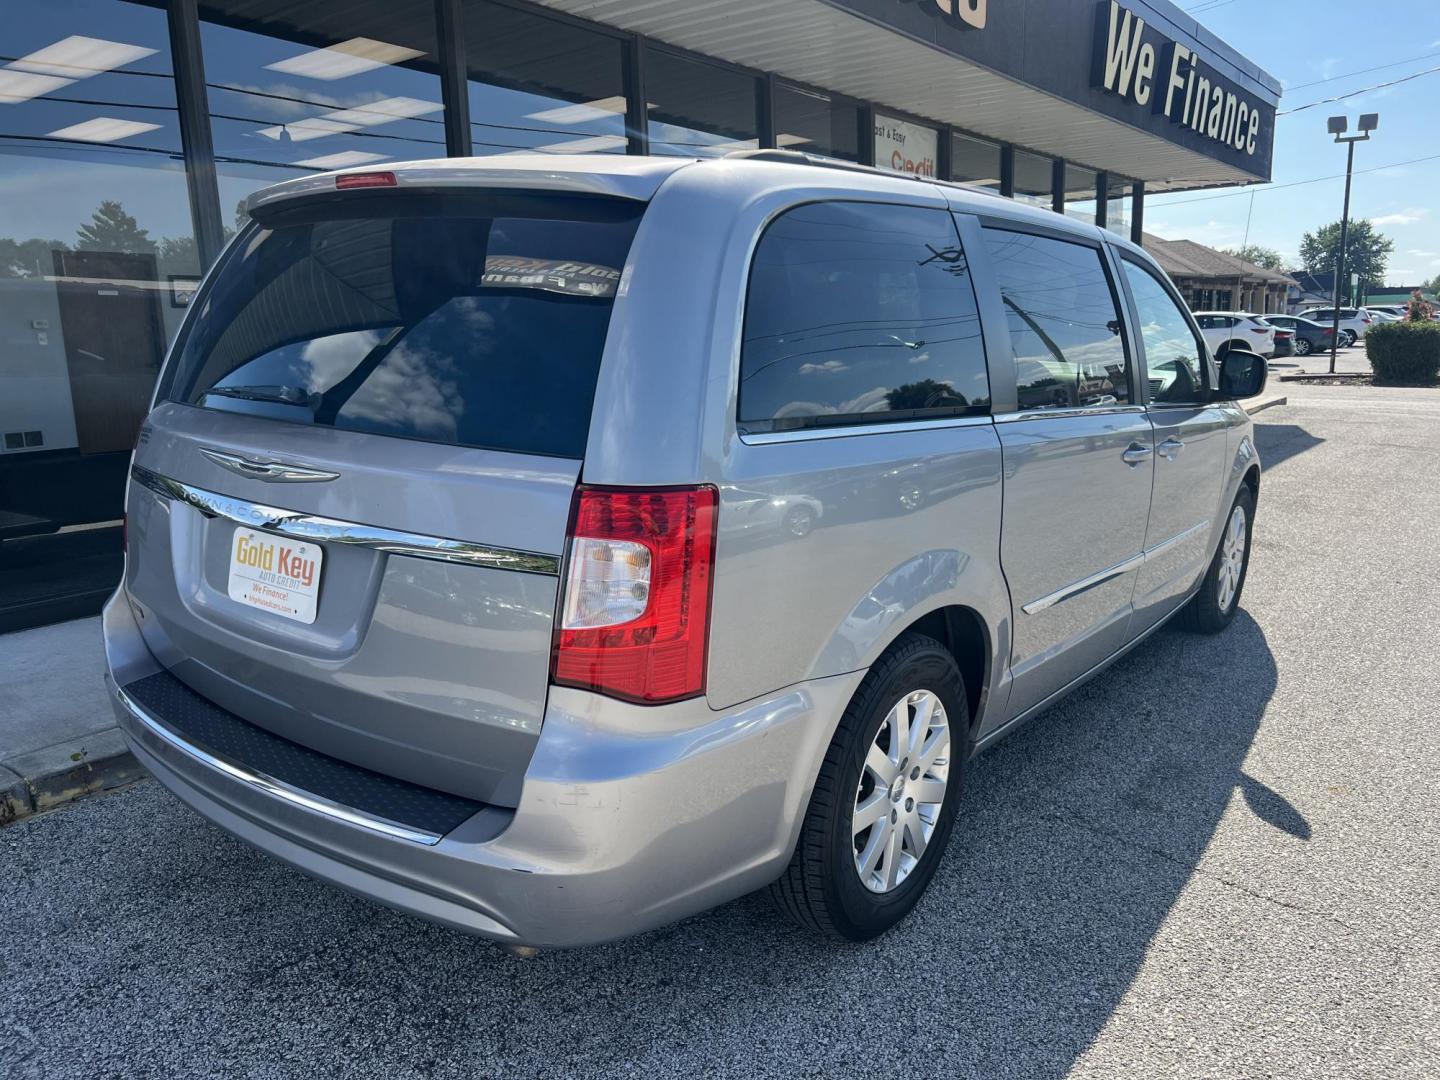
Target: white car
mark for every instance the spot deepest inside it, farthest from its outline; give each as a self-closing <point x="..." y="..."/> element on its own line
<point x="1354" y="322"/>
<point x="1225" y="330"/>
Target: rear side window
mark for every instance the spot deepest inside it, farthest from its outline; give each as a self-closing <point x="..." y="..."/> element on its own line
<point x="1064" y="324"/>
<point x="472" y="320"/>
<point x="860" y="313"/>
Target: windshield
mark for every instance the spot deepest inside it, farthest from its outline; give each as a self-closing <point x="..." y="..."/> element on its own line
<point x="476" y="320"/>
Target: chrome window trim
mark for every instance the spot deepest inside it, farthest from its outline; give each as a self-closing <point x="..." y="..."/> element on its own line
<point x="1053" y="414"/>
<point x="842" y="431"/>
<point x="1110" y="573"/>
<point x="270" y="786"/>
<point x="334" y="531"/>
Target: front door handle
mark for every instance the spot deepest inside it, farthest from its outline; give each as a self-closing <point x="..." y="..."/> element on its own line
<point x="1170" y="448"/>
<point x="1137" y="454"/>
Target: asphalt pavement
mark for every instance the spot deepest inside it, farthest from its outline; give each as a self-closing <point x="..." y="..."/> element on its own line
<point x="1220" y="858"/>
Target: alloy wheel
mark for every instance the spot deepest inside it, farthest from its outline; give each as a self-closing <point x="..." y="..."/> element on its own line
<point x="1232" y="558"/>
<point x="901" y="791"/>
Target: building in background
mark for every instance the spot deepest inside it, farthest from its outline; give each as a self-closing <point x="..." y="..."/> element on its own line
<point x="1211" y="280"/>
<point x="130" y="131"/>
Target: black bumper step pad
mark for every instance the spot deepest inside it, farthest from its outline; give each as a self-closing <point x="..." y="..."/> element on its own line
<point x="223" y="734"/>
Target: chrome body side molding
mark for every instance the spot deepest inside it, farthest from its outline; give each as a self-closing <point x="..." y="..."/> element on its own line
<point x="1112" y="572"/>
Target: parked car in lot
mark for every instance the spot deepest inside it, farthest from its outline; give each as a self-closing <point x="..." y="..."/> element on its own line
<point x="1309" y="336"/>
<point x="468" y="578"/>
<point x="1354" y="322"/>
<point x="1284" y="343"/>
<point x="1225" y="330"/>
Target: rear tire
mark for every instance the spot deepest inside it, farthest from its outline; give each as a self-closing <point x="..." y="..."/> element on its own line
<point x="853" y="884"/>
<point x="1213" y="608"/>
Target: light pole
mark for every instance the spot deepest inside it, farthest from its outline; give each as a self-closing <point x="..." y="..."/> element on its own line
<point x="1337" y="127"/>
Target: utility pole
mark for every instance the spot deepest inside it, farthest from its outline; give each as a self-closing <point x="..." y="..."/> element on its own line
<point x="1337" y="126"/>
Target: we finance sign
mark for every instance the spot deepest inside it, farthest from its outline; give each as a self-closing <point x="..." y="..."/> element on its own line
<point x="1141" y="65"/>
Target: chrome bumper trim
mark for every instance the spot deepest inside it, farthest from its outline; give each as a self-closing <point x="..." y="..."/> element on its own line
<point x="269" y="785"/>
<point x="334" y="531"/>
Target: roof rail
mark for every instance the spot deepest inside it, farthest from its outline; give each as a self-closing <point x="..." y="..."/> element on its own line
<point x="820" y="161"/>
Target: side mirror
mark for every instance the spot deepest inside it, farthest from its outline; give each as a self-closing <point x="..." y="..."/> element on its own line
<point x="1242" y="374"/>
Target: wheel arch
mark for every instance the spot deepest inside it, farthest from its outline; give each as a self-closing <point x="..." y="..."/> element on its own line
<point x="965" y="635"/>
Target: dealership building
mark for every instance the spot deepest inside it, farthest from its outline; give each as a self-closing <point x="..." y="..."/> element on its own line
<point x="131" y="132"/>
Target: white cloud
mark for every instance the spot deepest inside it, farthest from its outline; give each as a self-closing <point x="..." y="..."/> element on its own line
<point x="1212" y="233"/>
<point x="1423" y="254"/>
<point x="1409" y="216"/>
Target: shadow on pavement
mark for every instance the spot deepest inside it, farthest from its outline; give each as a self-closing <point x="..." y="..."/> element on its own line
<point x="1279" y="442"/>
<point x="1076" y="837"/>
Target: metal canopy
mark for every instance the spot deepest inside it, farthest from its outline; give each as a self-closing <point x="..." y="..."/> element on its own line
<point x="815" y="42"/>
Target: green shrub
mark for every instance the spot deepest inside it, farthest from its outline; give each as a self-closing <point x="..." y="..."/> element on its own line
<point x="1405" y="353"/>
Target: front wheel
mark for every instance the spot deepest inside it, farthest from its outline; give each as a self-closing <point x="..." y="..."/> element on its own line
<point x="1212" y="608"/>
<point x="1302" y="346"/>
<point x="884" y="802"/>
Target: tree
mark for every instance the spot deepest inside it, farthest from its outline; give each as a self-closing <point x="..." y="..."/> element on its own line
<point x="1269" y="258"/>
<point x="1366" y="253"/>
<point x="28" y="258"/>
<point x="111" y="229"/>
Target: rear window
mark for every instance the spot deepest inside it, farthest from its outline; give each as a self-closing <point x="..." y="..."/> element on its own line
<point x="471" y="320"/>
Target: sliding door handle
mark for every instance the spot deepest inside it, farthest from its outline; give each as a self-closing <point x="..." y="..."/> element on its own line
<point x="1170" y="448"/>
<point x="1137" y="454"/>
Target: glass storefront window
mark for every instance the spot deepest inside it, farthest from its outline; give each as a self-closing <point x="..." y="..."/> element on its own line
<point x="97" y="262"/>
<point x="313" y="85"/>
<point x="816" y="123"/>
<point x="698" y="109"/>
<point x="1119" y="210"/>
<point x="1081" y="188"/>
<point x="974" y="161"/>
<point x="905" y="147"/>
<point x="1034" y="179"/>
<point x="542" y="84"/>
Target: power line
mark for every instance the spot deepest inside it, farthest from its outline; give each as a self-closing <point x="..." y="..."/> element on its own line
<point x="1362" y="90"/>
<point x="1258" y="190"/>
<point x="1362" y="71"/>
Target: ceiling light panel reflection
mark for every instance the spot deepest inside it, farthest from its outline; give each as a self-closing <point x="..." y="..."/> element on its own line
<point x="78" y="57"/>
<point x="343" y="160"/>
<point x="603" y="108"/>
<point x="353" y="57"/>
<point x="103" y="129"/>
<point x="18" y="86"/>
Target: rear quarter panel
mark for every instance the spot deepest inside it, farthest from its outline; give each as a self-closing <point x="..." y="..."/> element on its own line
<point x="900" y="523"/>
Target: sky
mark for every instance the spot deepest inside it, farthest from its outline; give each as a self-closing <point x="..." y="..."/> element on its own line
<point x="1323" y="39"/>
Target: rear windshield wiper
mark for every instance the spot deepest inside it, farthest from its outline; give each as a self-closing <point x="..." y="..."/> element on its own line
<point x="276" y="395"/>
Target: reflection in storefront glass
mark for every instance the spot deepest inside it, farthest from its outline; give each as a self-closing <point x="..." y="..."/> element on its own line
<point x="1034" y="179"/>
<point x="542" y="84"/>
<point x="974" y="161"/>
<point x="698" y="109"/>
<point x="816" y="123"/>
<point x="97" y="263"/>
<point x="318" y="87"/>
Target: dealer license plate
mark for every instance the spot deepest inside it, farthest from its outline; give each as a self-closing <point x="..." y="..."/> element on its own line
<point x="275" y="573"/>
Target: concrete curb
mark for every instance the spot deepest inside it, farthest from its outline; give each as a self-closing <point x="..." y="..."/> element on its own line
<point x="44" y="779"/>
<point x="1268" y="403"/>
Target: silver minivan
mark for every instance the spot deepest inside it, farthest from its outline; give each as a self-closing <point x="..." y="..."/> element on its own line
<point x="554" y="547"/>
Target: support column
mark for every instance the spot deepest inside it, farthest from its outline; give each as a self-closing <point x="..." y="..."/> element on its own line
<point x="1137" y="213"/>
<point x="195" y="139"/>
<point x="454" y="88"/>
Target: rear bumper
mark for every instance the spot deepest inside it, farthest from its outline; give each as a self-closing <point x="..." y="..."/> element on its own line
<point x="629" y="818"/>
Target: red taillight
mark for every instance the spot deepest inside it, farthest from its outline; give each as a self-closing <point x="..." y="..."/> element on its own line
<point x="365" y="180"/>
<point x="644" y="556"/>
<point x="1328" y="330"/>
